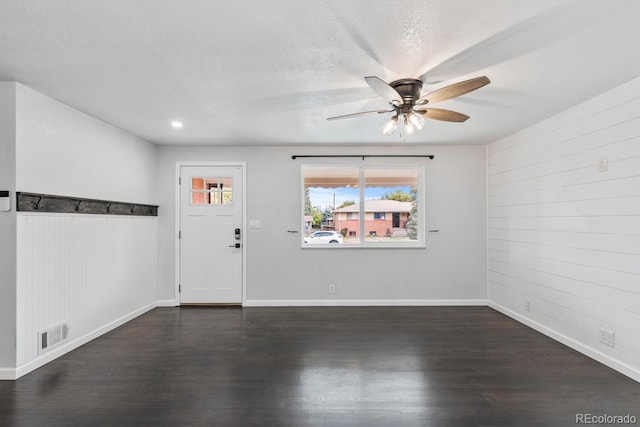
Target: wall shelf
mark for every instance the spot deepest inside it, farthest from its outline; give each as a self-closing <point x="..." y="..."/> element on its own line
<point x="35" y="202"/>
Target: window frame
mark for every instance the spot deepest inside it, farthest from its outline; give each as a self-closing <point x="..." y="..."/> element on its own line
<point x="419" y="243"/>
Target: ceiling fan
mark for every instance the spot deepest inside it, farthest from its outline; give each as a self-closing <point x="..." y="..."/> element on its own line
<point x="404" y="98"/>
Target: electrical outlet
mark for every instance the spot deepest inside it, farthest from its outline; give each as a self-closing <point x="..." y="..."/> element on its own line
<point x="603" y="164"/>
<point x="332" y="288"/>
<point x="608" y="337"/>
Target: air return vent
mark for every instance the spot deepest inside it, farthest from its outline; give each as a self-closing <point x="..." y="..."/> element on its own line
<point x="52" y="337"/>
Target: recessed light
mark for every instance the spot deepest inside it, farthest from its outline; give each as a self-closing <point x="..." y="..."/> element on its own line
<point x="176" y="124"/>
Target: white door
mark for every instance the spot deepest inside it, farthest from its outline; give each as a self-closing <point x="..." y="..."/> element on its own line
<point x="211" y="234"/>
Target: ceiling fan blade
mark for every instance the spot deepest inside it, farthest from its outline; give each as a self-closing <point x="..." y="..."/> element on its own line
<point x="454" y="90"/>
<point x="348" y="116"/>
<point x="384" y="90"/>
<point x="444" y="115"/>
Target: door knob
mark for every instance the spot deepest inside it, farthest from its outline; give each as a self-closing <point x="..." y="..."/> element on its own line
<point x="237" y="246"/>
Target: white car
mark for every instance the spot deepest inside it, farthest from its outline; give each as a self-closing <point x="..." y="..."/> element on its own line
<point x="324" y="237"/>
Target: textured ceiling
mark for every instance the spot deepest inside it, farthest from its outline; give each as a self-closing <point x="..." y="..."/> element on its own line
<point x="270" y="72"/>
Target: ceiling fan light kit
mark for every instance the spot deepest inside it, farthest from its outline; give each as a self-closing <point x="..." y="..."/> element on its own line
<point x="415" y="119"/>
<point x="404" y="99"/>
<point x="390" y="125"/>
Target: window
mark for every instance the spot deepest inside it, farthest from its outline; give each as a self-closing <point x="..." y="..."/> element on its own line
<point x="211" y="191"/>
<point x="369" y="206"/>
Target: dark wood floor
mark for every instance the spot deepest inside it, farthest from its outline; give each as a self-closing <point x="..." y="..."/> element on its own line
<point x="329" y="366"/>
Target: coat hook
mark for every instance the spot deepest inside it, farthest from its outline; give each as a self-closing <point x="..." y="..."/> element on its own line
<point x="78" y="205"/>
<point x="108" y="207"/>
<point x="37" y="205"/>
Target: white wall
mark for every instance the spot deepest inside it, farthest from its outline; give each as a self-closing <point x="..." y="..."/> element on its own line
<point x="451" y="268"/>
<point x="563" y="236"/>
<point x="93" y="271"/>
<point x="63" y="151"/>
<point x="7" y="228"/>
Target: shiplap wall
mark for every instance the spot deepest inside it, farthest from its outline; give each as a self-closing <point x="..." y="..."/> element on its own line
<point x="563" y="235"/>
<point x="93" y="271"/>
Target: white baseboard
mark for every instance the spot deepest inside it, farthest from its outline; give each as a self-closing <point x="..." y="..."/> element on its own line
<point x="167" y="303"/>
<point x="364" y="303"/>
<point x="589" y="351"/>
<point x="14" y="374"/>
<point x="7" y="374"/>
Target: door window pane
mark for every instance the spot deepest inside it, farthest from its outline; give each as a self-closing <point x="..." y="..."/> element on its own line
<point x="211" y="191"/>
<point x="197" y="183"/>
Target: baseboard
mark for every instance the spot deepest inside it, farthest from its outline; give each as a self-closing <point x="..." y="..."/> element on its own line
<point x="591" y="352"/>
<point x="364" y="303"/>
<point x="167" y="303"/>
<point x="7" y="374"/>
<point x="72" y="345"/>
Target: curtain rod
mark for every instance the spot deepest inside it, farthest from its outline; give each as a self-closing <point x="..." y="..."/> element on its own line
<point x="363" y="156"/>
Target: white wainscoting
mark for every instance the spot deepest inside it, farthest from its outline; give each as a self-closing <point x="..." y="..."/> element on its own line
<point x="563" y="234"/>
<point x="93" y="271"/>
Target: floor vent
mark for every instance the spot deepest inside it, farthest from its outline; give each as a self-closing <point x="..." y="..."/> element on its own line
<point x="52" y="337"/>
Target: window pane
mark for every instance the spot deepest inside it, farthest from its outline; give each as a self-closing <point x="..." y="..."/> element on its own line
<point x="197" y="183"/>
<point x="390" y="202"/>
<point x="197" y="198"/>
<point x="330" y="194"/>
<point x="227" y="198"/>
<point x="226" y="184"/>
<point x="213" y="197"/>
<point x="211" y="183"/>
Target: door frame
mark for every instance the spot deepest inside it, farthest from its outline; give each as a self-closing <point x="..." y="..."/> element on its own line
<point x="178" y="220"/>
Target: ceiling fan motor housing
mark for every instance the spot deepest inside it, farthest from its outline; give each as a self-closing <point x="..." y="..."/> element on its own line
<point x="409" y="90"/>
